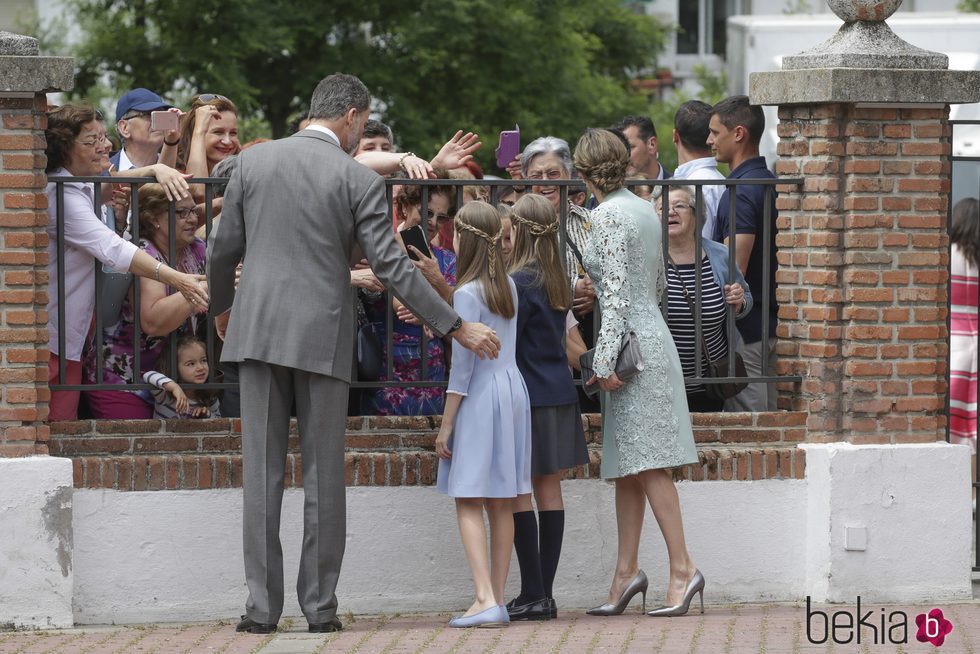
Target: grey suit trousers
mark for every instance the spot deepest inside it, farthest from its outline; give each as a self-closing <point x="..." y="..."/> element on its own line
<point x="267" y="393"/>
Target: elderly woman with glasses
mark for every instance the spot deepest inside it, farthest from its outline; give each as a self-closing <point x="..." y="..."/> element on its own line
<point x="440" y="271"/>
<point x="77" y="147"/>
<point x="161" y="311"/>
<point x="717" y="294"/>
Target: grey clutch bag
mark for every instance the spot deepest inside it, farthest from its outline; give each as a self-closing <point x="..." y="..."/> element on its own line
<point x="628" y="364"/>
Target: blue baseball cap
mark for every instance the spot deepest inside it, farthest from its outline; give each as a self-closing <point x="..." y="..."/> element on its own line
<point x="139" y="100"/>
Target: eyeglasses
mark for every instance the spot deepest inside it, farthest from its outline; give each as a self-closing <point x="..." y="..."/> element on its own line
<point x="551" y="174"/>
<point x="439" y="217"/>
<point x="680" y="206"/>
<point x="208" y="97"/>
<point x="96" y="141"/>
<point x="185" y="213"/>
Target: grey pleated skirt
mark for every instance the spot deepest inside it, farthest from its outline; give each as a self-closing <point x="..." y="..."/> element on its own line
<point x="557" y="439"/>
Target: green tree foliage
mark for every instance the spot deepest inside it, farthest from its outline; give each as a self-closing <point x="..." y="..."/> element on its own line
<point x="553" y="66"/>
<point x="969" y="5"/>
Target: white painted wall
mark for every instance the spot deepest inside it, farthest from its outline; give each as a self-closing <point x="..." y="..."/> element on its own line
<point x="36" y="542"/>
<point x="914" y="502"/>
<point x="177" y="555"/>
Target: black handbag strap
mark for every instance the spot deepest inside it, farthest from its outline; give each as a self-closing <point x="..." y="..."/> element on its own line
<point x="690" y="303"/>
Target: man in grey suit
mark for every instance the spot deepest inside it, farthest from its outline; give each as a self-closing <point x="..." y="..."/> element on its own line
<point x="300" y="204"/>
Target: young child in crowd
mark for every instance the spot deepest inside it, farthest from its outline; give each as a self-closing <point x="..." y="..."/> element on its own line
<point x="484" y="444"/>
<point x="170" y="400"/>
<point x="558" y="442"/>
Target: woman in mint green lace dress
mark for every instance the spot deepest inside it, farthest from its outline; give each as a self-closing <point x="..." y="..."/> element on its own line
<point x="646" y="425"/>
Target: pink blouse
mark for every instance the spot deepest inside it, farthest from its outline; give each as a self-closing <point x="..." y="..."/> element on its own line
<point x="86" y="239"/>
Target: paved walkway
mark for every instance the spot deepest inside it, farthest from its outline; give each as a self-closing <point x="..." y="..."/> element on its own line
<point x="769" y="628"/>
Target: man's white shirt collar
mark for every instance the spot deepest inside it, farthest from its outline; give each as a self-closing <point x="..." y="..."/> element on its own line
<point x="685" y="169"/>
<point x="124" y="162"/>
<point x="326" y="130"/>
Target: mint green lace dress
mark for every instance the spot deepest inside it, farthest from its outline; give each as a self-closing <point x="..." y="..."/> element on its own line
<point x="645" y="424"/>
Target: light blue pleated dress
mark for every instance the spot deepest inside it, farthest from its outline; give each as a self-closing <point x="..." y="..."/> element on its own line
<point x="491" y="441"/>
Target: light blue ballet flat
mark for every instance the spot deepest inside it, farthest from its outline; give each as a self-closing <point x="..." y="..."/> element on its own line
<point x="495" y="616"/>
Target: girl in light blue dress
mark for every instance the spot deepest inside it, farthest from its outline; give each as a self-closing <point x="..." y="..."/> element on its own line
<point x="484" y="444"/>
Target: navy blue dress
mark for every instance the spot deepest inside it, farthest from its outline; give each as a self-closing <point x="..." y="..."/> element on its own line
<point x="557" y="438"/>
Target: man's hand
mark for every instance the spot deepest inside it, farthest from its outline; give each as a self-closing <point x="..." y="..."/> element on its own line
<point x="584" y="300"/>
<point x="221" y="324"/>
<point x="457" y="151"/>
<point x="478" y="338"/>
<point x="366" y="279"/>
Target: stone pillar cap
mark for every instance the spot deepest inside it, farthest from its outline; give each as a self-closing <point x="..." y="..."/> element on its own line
<point x="22" y="70"/>
<point x="865" y="41"/>
<point x="17" y="45"/>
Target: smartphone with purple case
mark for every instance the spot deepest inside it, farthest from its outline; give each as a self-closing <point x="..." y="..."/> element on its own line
<point x="509" y="147"/>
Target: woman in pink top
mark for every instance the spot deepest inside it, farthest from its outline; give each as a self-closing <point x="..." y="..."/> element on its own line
<point x="964" y="253"/>
<point x="77" y="147"/>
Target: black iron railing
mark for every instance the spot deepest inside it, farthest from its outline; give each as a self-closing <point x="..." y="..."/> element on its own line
<point x="494" y="188"/>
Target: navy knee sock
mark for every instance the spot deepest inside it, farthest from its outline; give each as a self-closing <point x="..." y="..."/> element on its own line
<point x="552" y="532"/>
<point x="526" y="545"/>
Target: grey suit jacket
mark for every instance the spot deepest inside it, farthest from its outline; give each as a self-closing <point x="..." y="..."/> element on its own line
<point x="299" y="204"/>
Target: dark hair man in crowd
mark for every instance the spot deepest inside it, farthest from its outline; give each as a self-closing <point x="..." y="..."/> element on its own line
<point x="736" y="128"/>
<point x="377" y="136"/>
<point x="694" y="158"/>
<point x="642" y="138"/>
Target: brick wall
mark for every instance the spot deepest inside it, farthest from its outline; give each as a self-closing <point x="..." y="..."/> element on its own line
<point x="23" y="286"/>
<point x="863" y="256"/>
<point x="142" y="455"/>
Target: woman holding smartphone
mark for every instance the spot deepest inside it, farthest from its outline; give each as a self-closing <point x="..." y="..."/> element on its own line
<point x="440" y="270"/>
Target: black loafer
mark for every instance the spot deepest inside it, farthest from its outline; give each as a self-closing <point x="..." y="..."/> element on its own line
<point x="253" y="627"/>
<point x="326" y="627"/>
<point x="541" y="609"/>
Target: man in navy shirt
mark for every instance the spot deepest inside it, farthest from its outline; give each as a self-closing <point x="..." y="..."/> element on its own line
<point x="735" y="130"/>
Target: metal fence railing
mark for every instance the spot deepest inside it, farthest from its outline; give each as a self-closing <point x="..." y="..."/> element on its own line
<point x="493" y="188"/>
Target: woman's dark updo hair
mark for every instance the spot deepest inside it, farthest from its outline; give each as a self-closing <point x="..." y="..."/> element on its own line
<point x="601" y="158"/>
<point x="64" y="125"/>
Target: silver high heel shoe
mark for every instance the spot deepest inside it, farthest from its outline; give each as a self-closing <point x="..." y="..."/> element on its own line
<point x="637" y="585"/>
<point x="695" y="585"/>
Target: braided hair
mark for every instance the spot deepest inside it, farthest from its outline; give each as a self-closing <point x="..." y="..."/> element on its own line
<point x="537" y="249"/>
<point x="478" y="256"/>
<point x="601" y="158"/>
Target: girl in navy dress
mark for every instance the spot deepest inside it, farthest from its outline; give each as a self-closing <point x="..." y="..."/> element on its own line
<point x="484" y="444"/>
<point x="557" y="439"/>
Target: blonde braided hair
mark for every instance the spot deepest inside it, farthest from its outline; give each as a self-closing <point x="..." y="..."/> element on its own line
<point x="492" y="242"/>
<point x="535" y="228"/>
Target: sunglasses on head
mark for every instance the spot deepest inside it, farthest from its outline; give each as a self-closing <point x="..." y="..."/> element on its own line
<point x="208" y="97"/>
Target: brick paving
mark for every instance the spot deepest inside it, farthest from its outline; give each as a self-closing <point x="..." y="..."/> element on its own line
<point x="739" y="628"/>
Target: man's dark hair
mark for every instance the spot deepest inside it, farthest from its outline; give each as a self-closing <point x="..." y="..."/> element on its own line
<point x="736" y="110"/>
<point x="643" y="124"/>
<point x="618" y="133"/>
<point x="691" y="122"/>
<point x="336" y="94"/>
<point x="374" y="128"/>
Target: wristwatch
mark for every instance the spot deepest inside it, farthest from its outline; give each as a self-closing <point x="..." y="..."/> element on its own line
<point x="456" y="325"/>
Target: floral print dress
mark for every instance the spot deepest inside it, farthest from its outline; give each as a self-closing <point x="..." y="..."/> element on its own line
<point x="407" y="358"/>
<point x="118" y="341"/>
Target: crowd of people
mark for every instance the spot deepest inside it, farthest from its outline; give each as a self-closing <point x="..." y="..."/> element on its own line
<point x="173" y="216"/>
